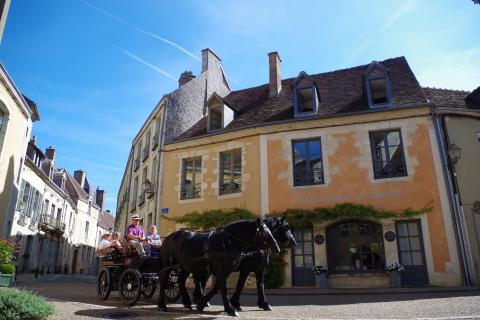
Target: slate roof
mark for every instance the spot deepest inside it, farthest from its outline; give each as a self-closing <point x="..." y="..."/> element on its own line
<point x="341" y="92"/>
<point x="451" y="98"/>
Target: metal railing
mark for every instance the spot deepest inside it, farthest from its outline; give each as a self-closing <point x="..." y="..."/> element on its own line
<point x="305" y="177"/>
<point x="392" y="168"/>
<point x="191" y="191"/>
<point x="231" y="187"/>
<point x="49" y="223"/>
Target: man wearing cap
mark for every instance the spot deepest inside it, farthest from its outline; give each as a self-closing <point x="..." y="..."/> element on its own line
<point x="136" y="236"/>
<point x="105" y="247"/>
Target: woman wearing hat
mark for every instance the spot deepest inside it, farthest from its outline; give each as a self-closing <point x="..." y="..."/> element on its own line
<point x="105" y="246"/>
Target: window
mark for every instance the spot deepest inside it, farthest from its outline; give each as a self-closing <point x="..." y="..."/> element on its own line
<point x="134" y="194"/>
<point x="191" y="178"/>
<point x="387" y="154"/>
<point x="215" y="120"/>
<point x="149" y="221"/>
<point x="354" y="247"/>
<point x="136" y="163"/>
<point x="377" y="82"/>
<point x="153" y="177"/>
<point x="2" y="115"/>
<point x="231" y="171"/>
<point x="478" y="138"/>
<point x="305" y="99"/>
<point x="87" y="226"/>
<point x="146" y="148"/>
<point x="307" y="162"/>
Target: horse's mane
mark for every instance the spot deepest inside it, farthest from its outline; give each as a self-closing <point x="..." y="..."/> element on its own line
<point x="230" y="224"/>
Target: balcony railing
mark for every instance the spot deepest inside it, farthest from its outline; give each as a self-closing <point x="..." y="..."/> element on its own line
<point x="191" y="191"/>
<point x="48" y="223"/>
<point x="306" y="177"/>
<point x="136" y="164"/>
<point x="141" y="199"/>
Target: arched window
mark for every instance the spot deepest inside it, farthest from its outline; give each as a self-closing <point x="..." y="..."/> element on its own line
<point x="2" y="115"/>
<point x="355" y="246"/>
<point x="377" y="84"/>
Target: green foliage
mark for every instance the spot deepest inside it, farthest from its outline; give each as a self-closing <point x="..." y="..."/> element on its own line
<point x="7" y="268"/>
<point x="19" y="305"/>
<point x="301" y="218"/>
<point x="6" y="251"/>
<point x="212" y="218"/>
<point x="275" y="271"/>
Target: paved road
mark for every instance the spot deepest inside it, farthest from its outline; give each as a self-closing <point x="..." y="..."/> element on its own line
<point x="75" y="299"/>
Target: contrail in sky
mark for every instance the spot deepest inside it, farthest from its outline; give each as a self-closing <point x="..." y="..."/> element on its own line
<point x="146" y="63"/>
<point x="153" y="35"/>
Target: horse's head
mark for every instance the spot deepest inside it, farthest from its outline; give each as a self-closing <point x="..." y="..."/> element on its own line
<point x="281" y="232"/>
<point x="265" y="238"/>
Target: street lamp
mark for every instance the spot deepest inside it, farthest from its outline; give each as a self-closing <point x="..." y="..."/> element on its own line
<point x="148" y="187"/>
<point x="454" y="152"/>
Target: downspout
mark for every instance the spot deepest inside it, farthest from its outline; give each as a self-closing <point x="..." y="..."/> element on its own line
<point x="160" y="166"/>
<point x="455" y="206"/>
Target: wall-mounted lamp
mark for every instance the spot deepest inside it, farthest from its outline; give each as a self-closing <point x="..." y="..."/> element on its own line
<point x="454" y="152"/>
<point x="148" y="188"/>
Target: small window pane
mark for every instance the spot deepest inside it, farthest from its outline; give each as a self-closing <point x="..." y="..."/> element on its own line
<point x="405" y="259"/>
<point x="307" y="162"/>
<point x="298" y="249"/>
<point x="413" y="229"/>
<point x="231" y="175"/>
<point x="415" y="243"/>
<point x="308" y="236"/>
<point x="305" y="99"/>
<point x="299" y="261"/>
<point x="215" y="119"/>
<point x="417" y="258"/>
<point x="307" y="248"/>
<point x="378" y="90"/>
<point x="404" y="244"/>
<point x="308" y="261"/>
<point x="387" y="154"/>
<point x="402" y="230"/>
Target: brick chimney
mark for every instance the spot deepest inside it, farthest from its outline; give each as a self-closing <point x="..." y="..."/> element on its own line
<point x="274" y="64"/>
<point x="99" y="197"/>
<point x="80" y="175"/>
<point x="209" y="60"/>
<point x="50" y="153"/>
<point x="185" y="77"/>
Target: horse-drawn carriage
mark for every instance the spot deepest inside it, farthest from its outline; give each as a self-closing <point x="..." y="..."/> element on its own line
<point x="133" y="277"/>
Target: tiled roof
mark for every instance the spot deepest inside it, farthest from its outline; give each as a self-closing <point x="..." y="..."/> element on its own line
<point x="340" y="91"/>
<point x="106" y="220"/>
<point x="450" y="98"/>
<point x="75" y="189"/>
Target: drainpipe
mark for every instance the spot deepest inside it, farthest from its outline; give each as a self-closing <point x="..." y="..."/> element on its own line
<point x="458" y="218"/>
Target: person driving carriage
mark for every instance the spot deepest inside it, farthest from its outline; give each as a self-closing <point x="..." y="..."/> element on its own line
<point x="136" y="236"/>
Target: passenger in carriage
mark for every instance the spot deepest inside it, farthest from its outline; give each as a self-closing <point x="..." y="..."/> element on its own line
<point x="105" y="246"/>
<point x="136" y="236"/>
<point x="116" y="241"/>
<point x="154" y="241"/>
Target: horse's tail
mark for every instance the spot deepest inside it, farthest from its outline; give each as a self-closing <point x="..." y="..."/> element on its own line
<point x="168" y="248"/>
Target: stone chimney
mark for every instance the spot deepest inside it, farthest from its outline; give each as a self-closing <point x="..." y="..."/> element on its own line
<point x="99" y="197"/>
<point x="185" y="77"/>
<point x="80" y="175"/>
<point x="209" y="60"/>
<point x="50" y="153"/>
<point x="274" y="65"/>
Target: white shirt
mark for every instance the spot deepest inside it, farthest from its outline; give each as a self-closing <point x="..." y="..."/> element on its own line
<point x="104" y="244"/>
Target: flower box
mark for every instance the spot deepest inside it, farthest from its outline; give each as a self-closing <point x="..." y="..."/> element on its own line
<point x="6" y="280"/>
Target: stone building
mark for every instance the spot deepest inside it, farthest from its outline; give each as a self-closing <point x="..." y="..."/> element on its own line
<point x="362" y="135"/>
<point x="140" y="191"/>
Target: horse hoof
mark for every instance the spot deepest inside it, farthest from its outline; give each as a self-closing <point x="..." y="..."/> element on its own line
<point x="232" y="313"/>
<point x="163" y="308"/>
<point x="238" y="308"/>
<point x="200" y="307"/>
<point x="188" y="306"/>
<point x="207" y="304"/>
<point x="266" y="307"/>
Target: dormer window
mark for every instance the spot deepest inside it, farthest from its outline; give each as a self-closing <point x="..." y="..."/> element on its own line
<point x="219" y="113"/>
<point x="377" y="83"/>
<point x="305" y="95"/>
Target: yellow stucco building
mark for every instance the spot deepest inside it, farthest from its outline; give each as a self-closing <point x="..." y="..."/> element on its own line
<point x="362" y="135"/>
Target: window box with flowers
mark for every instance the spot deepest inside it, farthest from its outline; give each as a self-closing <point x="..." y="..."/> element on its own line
<point x="321" y="273"/>
<point x="395" y="270"/>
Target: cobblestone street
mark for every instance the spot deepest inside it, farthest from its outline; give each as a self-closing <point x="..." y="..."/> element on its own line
<point x="74" y="297"/>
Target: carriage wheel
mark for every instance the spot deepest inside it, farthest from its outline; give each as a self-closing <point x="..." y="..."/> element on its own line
<point x="104" y="284"/>
<point x="172" y="291"/>
<point x="149" y="287"/>
<point x="130" y="286"/>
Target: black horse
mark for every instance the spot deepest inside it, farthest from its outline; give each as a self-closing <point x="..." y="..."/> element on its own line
<point x="216" y="253"/>
<point x="255" y="261"/>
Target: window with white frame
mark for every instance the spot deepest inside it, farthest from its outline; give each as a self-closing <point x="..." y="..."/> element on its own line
<point x="191" y="178"/>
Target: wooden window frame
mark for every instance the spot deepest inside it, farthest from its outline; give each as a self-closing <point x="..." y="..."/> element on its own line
<point x="319" y="139"/>
<point x="372" y="134"/>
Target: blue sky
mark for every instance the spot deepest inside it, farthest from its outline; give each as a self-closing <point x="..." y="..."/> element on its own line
<point x="96" y="69"/>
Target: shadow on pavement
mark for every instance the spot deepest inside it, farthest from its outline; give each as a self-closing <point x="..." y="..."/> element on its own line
<point x="124" y="313"/>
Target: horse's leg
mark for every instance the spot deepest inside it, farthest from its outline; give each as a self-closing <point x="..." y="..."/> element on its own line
<point x="163" y="284"/>
<point x="235" y="299"/>
<point x="199" y="292"/>
<point x="222" y="284"/>
<point x="182" y="278"/>
<point x="262" y="300"/>
<point x="202" y="303"/>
